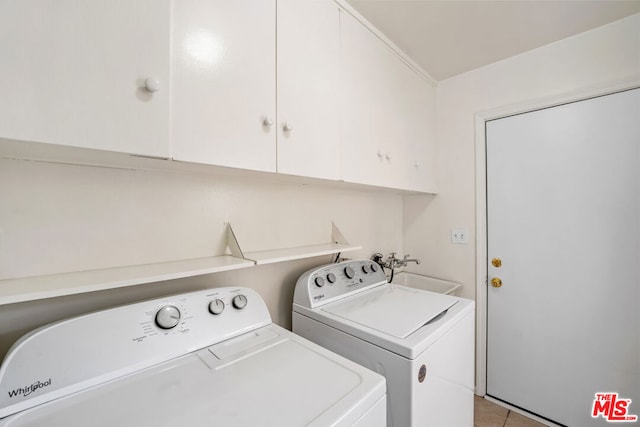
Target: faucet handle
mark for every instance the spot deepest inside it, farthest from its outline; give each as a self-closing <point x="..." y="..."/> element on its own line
<point x="392" y="255"/>
<point x="406" y="256"/>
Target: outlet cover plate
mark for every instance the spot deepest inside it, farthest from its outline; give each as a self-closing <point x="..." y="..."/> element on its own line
<point x="459" y="236"/>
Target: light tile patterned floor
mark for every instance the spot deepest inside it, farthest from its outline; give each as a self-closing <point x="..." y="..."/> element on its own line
<point x="488" y="414"/>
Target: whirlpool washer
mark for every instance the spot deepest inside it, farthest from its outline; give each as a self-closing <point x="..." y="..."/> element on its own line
<point x="198" y="359"/>
<point x="422" y="342"/>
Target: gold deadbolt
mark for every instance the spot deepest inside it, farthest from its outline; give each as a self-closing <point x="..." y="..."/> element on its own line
<point x="496" y="262"/>
<point x="496" y="282"/>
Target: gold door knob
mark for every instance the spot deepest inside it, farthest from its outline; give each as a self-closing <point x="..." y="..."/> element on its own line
<point x="496" y="282"/>
<point x="496" y="262"/>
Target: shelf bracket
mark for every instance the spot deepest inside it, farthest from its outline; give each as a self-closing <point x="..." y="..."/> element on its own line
<point x="232" y="243"/>
<point x="337" y="236"/>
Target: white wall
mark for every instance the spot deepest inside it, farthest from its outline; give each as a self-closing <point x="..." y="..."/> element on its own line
<point x="595" y="59"/>
<point x="56" y="218"/>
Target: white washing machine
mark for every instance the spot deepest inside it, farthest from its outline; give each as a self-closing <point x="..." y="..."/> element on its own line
<point x="422" y="342"/>
<point x="207" y="358"/>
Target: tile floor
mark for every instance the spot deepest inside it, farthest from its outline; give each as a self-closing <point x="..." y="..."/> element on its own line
<point x="488" y="414"/>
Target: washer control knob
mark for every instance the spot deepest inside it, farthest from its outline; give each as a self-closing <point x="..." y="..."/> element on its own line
<point x="239" y="301"/>
<point x="348" y="271"/>
<point x="374" y="267"/>
<point x="168" y="317"/>
<point x="319" y="281"/>
<point x="216" y="306"/>
<point x="331" y="278"/>
<point x="365" y="269"/>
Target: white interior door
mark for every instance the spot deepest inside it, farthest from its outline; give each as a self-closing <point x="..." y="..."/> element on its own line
<point x="563" y="214"/>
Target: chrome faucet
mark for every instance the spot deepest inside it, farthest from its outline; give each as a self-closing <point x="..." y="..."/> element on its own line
<point x="405" y="260"/>
<point x="392" y="262"/>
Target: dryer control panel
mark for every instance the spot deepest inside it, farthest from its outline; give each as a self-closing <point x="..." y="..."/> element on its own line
<point x="330" y="282"/>
<point x="43" y="365"/>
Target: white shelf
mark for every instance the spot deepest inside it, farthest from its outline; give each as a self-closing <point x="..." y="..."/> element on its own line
<point x="56" y="285"/>
<point x="40" y="287"/>
<point x="289" y="254"/>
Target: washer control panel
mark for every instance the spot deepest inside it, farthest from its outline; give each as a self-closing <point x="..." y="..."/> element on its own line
<point x="111" y="343"/>
<point x="329" y="282"/>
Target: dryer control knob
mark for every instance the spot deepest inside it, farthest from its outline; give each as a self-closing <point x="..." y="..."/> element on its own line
<point x="319" y="281"/>
<point x="239" y="301"/>
<point x="348" y="271"/>
<point x="216" y="306"/>
<point x="168" y="317"/>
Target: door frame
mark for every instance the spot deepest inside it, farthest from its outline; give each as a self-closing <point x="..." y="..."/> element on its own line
<point x="481" y="118"/>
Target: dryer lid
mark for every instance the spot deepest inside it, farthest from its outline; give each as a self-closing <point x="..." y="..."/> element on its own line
<point x="255" y="386"/>
<point x="393" y="310"/>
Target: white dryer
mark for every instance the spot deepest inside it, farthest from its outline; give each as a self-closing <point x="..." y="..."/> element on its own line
<point x="422" y="342"/>
<point x="198" y="359"/>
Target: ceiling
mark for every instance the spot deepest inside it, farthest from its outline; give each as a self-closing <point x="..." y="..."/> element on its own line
<point x="449" y="37"/>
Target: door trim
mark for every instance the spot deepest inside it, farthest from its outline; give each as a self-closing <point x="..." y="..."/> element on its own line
<point x="481" y="118"/>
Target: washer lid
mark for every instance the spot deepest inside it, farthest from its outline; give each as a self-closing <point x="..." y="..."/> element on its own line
<point x="394" y="310"/>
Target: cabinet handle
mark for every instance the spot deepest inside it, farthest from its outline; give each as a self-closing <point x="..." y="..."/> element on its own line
<point x="387" y="156"/>
<point x="416" y="164"/>
<point x="380" y="154"/>
<point x="267" y="123"/>
<point x="287" y="127"/>
<point x="152" y="85"/>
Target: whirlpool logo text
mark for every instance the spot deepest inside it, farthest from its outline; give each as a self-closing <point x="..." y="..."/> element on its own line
<point x="28" y="389"/>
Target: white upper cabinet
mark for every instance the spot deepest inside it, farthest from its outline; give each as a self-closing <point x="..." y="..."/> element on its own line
<point x="223" y="71"/>
<point x="418" y="132"/>
<point x="227" y="81"/>
<point x="76" y="73"/>
<point x="388" y="114"/>
<point x="297" y="87"/>
<point x="307" y="87"/>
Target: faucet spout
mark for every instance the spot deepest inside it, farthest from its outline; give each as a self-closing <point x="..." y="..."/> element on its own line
<point x="392" y="261"/>
<point x="406" y="260"/>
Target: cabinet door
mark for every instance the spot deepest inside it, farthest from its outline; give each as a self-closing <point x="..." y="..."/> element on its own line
<point x="73" y="73"/>
<point x="223" y="83"/>
<point x="418" y="116"/>
<point x="308" y="61"/>
<point x="388" y="113"/>
<point x="366" y="93"/>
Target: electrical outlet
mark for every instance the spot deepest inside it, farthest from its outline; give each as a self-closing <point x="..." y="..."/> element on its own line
<point x="459" y="236"/>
